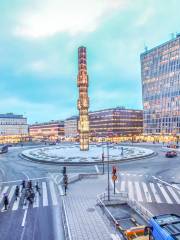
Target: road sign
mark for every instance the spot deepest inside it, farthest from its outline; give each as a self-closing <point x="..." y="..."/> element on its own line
<point x="114" y="178"/>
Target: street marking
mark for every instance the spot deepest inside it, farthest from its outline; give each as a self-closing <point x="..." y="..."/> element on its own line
<point x="122" y="174"/>
<point x="174" y="194"/>
<point x="3" y="192"/>
<point x="140" y="175"/>
<point x="53" y="193"/>
<point x="45" y="196"/>
<point x="156" y="195"/>
<point x="36" y="200"/>
<point x="26" y="175"/>
<point x="24" y="218"/>
<point x="130" y="190"/>
<point x="123" y="186"/>
<point x="11" y="194"/>
<point x="16" y="203"/>
<point x="60" y="190"/>
<point x="166" y="196"/>
<point x="97" y="169"/>
<point x="146" y="192"/>
<point x="138" y="192"/>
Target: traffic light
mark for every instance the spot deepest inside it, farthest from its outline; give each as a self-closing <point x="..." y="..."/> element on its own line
<point x="64" y="170"/>
<point x="114" y="170"/>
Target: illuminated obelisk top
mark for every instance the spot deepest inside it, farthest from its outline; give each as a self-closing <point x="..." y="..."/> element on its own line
<point x="83" y="101"/>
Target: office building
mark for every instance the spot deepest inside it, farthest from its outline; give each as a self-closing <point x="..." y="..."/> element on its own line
<point x="160" y="73"/>
<point x="52" y="131"/>
<point x="13" y="128"/>
<point x="71" y="128"/>
<point x="116" y="123"/>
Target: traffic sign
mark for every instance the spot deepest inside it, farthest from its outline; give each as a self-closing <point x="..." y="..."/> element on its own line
<point x="114" y="177"/>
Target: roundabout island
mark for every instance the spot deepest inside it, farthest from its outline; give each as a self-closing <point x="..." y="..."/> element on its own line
<point x="70" y="154"/>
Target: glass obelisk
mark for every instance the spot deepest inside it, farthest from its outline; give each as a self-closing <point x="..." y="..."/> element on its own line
<point x="83" y="101"/>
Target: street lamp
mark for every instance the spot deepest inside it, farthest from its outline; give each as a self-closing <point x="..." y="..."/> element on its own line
<point x="107" y="143"/>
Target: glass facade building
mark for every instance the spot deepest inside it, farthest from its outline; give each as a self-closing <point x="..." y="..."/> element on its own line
<point x="52" y="131"/>
<point x="160" y="74"/>
<point x="116" y="122"/>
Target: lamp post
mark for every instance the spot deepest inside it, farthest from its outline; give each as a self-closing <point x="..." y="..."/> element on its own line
<point x="108" y="170"/>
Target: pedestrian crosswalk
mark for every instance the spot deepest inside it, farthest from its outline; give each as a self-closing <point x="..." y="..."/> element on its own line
<point x="47" y="196"/>
<point x="149" y="192"/>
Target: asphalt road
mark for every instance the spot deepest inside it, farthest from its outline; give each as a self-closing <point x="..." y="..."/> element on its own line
<point x="44" y="221"/>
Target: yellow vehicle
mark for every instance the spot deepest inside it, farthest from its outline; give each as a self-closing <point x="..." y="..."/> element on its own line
<point x="136" y="233"/>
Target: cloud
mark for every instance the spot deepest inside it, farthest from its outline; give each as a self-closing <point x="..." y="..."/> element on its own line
<point x="49" y="17"/>
<point x="145" y="17"/>
<point x="33" y="111"/>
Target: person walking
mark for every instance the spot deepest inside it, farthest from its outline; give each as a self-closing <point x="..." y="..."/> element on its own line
<point x="17" y="192"/>
<point x="6" y="202"/>
<point x="23" y="185"/>
<point x="37" y="188"/>
<point x="65" y="183"/>
<point x="30" y="184"/>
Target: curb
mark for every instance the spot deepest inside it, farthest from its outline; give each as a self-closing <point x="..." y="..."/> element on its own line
<point x="22" y="156"/>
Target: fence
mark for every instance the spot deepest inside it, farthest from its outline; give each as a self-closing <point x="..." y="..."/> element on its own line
<point x="67" y="233"/>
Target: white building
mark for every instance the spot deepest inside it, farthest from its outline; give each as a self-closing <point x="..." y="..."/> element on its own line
<point x="71" y="127"/>
<point x="12" y="127"/>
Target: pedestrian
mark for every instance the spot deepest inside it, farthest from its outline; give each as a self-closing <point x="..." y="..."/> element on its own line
<point x="65" y="183"/>
<point x="30" y="184"/>
<point x="37" y="188"/>
<point x="17" y="192"/>
<point x="6" y="202"/>
<point x="23" y="185"/>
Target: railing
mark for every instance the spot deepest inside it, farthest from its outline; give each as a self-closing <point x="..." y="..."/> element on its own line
<point x="140" y="209"/>
<point x="120" y="196"/>
<point x="101" y="204"/>
<point x="67" y="233"/>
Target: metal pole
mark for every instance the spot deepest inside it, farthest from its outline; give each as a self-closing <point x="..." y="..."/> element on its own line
<point x="108" y="171"/>
<point x="103" y="157"/>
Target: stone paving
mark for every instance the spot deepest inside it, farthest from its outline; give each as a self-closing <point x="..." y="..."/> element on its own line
<point x="84" y="220"/>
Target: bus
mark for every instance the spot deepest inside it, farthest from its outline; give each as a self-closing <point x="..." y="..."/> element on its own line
<point x="4" y="149"/>
<point x="165" y="227"/>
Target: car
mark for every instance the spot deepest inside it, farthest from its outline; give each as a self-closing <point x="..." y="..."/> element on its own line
<point x="171" y="154"/>
<point x="52" y="143"/>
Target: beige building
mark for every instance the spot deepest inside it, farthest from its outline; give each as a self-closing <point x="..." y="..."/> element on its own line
<point x="52" y="131"/>
<point x="71" y="127"/>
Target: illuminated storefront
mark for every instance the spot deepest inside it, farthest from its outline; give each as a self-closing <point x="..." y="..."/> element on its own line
<point x="51" y="131"/>
<point x="13" y="128"/>
<point x="83" y="101"/>
<point x="160" y="71"/>
<point x="116" y="124"/>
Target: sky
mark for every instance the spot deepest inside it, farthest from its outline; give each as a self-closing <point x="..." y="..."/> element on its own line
<point x="38" y="52"/>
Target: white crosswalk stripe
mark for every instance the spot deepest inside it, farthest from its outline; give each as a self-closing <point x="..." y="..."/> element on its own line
<point x="174" y="194"/>
<point x="165" y="194"/>
<point x="122" y="188"/>
<point x="138" y="192"/>
<point x="45" y="195"/>
<point x="156" y="195"/>
<point x="146" y="192"/>
<point x="53" y="193"/>
<point x="130" y="190"/>
<point x="36" y="200"/>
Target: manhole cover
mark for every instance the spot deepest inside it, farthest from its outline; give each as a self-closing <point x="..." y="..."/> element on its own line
<point x="90" y="209"/>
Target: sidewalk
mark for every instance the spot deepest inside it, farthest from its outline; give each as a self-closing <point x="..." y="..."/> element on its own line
<point x="84" y="220"/>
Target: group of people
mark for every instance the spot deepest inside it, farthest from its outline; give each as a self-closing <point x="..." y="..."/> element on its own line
<point x="27" y="193"/>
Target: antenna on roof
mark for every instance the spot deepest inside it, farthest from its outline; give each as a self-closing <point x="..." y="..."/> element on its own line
<point x="145" y="48"/>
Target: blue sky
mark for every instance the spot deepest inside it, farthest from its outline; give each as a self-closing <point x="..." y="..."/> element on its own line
<point x="38" y="49"/>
